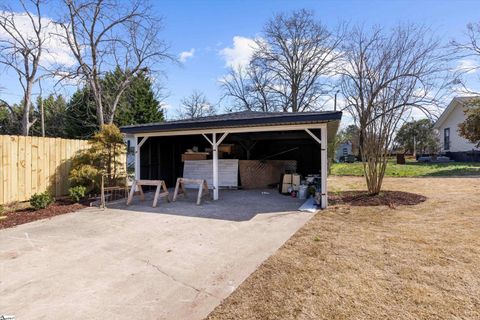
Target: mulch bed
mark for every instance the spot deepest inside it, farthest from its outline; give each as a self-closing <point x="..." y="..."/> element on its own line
<point x="384" y="198"/>
<point x="17" y="217"/>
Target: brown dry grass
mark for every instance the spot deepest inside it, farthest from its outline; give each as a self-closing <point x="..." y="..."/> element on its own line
<point x="412" y="262"/>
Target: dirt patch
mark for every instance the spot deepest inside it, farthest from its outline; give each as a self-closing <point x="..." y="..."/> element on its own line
<point x="373" y="262"/>
<point x="384" y="198"/>
<point x="14" y="218"/>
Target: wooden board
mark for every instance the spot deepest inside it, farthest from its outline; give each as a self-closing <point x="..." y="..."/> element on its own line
<point x="34" y="164"/>
<point x="195" y="156"/>
<point x="255" y="174"/>
<point x="203" y="170"/>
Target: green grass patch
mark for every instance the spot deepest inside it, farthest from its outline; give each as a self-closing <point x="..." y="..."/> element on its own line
<point x="412" y="169"/>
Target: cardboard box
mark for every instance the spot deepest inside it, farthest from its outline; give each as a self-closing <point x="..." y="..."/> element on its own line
<point x="292" y="179"/>
<point x="226" y="148"/>
<point x="289" y="181"/>
<point x="194" y="156"/>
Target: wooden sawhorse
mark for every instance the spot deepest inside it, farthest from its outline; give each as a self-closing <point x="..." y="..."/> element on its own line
<point x="160" y="184"/>
<point x="180" y="186"/>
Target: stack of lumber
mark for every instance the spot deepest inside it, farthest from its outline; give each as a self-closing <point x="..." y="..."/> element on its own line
<point x="191" y="155"/>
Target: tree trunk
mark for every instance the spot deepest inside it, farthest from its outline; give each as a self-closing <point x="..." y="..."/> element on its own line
<point x="42" y="117"/>
<point x="26" y="110"/>
<point x="98" y="102"/>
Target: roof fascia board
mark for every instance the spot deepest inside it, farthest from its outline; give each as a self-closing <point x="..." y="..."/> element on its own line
<point x="233" y="123"/>
<point x="232" y="130"/>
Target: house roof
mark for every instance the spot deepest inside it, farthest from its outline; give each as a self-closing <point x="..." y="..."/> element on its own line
<point x="457" y="101"/>
<point x="237" y="119"/>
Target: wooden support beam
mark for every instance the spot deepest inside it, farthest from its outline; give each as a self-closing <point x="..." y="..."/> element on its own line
<point x="142" y="142"/>
<point x="314" y="136"/>
<point x="205" y="136"/>
<point x="222" y="138"/>
<point x="215" y="166"/>
<point x="138" y="145"/>
<point x="215" y="143"/>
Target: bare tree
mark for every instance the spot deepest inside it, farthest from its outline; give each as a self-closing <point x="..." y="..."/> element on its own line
<point x="385" y="74"/>
<point x="105" y="34"/>
<point x="21" y="51"/>
<point x="195" y="105"/>
<point x="468" y="51"/>
<point x="248" y="86"/>
<point x="298" y="54"/>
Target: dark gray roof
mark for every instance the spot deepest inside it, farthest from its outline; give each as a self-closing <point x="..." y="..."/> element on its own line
<point x="237" y="119"/>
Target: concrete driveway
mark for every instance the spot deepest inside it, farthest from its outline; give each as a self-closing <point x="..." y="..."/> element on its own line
<point x="177" y="261"/>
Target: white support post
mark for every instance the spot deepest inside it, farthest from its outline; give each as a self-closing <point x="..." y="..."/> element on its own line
<point x="215" y="143"/>
<point x="215" y="166"/>
<point x="137" y="160"/>
<point x="138" y="145"/>
<point x="324" y="167"/>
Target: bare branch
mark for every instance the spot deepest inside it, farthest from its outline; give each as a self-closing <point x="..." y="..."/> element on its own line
<point x="384" y="75"/>
<point x="104" y="35"/>
<point x="291" y="67"/>
<point x="195" y="105"/>
<point x="21" y="52"/>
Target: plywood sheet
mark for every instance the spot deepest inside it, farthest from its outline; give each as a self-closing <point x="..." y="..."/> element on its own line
<point x="255" y="174"/>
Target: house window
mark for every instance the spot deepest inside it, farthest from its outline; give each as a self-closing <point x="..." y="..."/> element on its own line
<point x="446" y="139"/>
<point x="345" y="151"/>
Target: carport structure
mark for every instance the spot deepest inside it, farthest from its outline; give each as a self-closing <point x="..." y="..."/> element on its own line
<point x="309" y="131"/>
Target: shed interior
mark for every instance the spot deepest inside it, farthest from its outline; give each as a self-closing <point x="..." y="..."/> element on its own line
<point x="161" y="157"/>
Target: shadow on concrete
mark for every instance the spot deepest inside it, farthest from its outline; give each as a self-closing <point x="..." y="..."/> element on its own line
<point x="233" y="205"/>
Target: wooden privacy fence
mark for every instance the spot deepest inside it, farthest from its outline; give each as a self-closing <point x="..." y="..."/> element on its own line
<point x="29" y="165"/>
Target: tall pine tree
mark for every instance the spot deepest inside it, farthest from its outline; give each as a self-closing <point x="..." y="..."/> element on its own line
<point x="138" y="104"/>
<point x="55" y="114"/>
<point x="81" y="118"/>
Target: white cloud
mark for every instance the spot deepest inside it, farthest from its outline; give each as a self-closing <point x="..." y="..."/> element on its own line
<point x="55" y="51"/>
<point x="185" y="55"/>
<point x="240" y="54"/>
<point x="467" y="65"/>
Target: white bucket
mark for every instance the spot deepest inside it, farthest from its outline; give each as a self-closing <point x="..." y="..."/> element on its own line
<point x="302" y="192"/>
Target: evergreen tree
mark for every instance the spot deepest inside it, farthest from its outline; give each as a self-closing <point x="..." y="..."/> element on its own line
<point x="55" y="109"/>
<point x="10" y="119"/>
<point x="81" y="119"/>
<point x="470" y="128"/>
<point x="417" y="135"/>
<point x="138" y="104"/>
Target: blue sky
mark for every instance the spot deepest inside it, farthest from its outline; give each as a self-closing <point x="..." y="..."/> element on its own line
<point x="205" y="28"/>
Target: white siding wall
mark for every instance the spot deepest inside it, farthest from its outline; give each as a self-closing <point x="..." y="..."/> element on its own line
<point x="339" y="151"/>
<point x="457" y="143"/>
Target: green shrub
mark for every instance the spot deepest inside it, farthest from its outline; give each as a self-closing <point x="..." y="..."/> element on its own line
<point x="41" y="200"/>
<point x="105" y="156"/>
<point x="77" y="193"/>
<point x="85" y="175"/>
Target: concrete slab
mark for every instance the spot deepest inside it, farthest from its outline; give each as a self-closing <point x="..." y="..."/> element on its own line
<point x="176" y="261"/>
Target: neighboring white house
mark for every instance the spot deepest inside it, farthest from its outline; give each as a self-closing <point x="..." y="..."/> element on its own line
<point x="343" y="149"/>
<point x="451" y="143"/>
